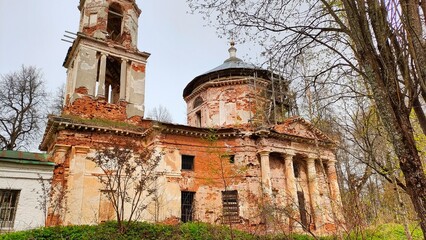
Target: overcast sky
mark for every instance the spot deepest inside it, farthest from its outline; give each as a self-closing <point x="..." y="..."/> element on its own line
<point x="181" y="46"/>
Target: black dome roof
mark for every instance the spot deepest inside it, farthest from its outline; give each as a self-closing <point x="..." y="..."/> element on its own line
<point x="232" y="66"/>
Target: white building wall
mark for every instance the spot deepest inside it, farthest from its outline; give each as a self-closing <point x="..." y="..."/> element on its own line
<point x="24" y="177"/>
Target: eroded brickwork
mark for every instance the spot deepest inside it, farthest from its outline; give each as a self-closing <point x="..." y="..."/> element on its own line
<point x="90" y="108"/>
<point x="227" y="102"/>
<point x="275" y="177"/>
<point x="212" y="173"/>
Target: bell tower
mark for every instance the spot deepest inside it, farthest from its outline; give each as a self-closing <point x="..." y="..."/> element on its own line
<point x="105" y="70"/>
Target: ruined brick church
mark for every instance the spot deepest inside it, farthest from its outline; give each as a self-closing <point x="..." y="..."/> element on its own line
<point x="277" y="175"/>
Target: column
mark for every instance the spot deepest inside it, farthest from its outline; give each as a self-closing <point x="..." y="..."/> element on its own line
<point x="123" y="79"/>
<point x="291" y="189"/>
<point x="101" y="77"/>
<point x="290" y="179"/>
<point x="127" y="85"/>
<point x="313" y="190"/>
<point x="334" y="189"/>
<point x="332" y="179"/>
<point x="266" y="173"/>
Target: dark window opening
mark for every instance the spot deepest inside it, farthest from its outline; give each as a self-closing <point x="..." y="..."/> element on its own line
<point x="97" y="74"/>
<point x="8" y="204"/>
<point x="231" y="209"/>
<point x="112" y="79"/>
<point x="231" y="158"/>
<point x="187" y="162"/>
<point x="296" y="169"/>
<point x="198" y="119"/>
<point x="197" y="102"/>
<point x="187" y="208"/>
<point x="302" y="209"/>
<point x="115" y="19"/>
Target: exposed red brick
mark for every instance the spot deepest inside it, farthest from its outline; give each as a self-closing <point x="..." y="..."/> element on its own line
<point x="171" y="221"/>
<point x="138" y="67"/>
<point x="81" y="90"/>
<point x="89" y="108"/>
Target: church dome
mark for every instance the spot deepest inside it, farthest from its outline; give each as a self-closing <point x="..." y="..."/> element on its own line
<point x="232" y="66"/>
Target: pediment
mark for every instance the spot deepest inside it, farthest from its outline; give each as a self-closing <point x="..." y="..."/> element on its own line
<point x="302" y="128"/>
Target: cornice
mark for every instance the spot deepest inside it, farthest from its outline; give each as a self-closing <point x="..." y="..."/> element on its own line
<point x="106" y="47"/>
<point x="220" y="82"/>
<point x="185" y="130"/>
<point x="56" y="124"/>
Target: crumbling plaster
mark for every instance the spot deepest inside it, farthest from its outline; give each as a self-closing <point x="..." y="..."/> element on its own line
<point x="230" y="102"/>
<point x="205" y="179"/>
<point x="232" y="123"/>
<point x="83" y="75"/>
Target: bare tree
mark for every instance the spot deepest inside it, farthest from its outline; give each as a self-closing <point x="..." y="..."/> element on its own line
<point x="57" y="101"/>
<point x="380" y="42"/>
<point x="161" y="114"/>
<point x="129" y="177"/>
<point x="22" y="99"/>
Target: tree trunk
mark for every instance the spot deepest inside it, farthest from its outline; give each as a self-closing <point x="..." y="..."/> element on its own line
<point x="397" y="123"/>
<point x="369" y="33"/>
<point x="417" y="106"/>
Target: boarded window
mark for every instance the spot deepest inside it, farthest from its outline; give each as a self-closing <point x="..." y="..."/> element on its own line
<point x="231" y="209"/>
<point x="187" y="162"/>
<point x="106" y="208"/>
<point x="187" y="208"/>
<point x="8" y="204"/>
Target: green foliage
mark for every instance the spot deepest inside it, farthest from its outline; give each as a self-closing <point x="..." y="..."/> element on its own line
<point x="141" y="230"/>
<point x="203" y="231"/>
<point x="71" y="232"/>
<point x="190" y="231"/>
<point x="212" y="136"/>
<point x="390" y="231"/>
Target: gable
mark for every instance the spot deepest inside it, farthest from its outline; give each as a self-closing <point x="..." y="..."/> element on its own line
<point x="299" y="127"/>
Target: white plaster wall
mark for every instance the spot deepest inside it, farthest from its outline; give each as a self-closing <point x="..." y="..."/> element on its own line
<point x="87" y="65"/>
<point x="25" y="178"/>
<point x="136" y="90"/>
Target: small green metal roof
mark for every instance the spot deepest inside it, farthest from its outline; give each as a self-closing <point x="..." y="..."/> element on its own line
<point x="21" y="157"/>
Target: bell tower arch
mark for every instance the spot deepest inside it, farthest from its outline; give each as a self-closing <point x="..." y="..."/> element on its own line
<point x="105" y="69"/>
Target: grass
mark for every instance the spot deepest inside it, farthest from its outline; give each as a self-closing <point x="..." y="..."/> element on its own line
<point x="390" y="231"/>
<point x="141" y="230"/>
<point x="192" y="231"/>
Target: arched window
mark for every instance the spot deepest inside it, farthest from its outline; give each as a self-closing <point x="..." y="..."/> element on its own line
<point x="197" y="102"/>
<point x="115" y="19"/>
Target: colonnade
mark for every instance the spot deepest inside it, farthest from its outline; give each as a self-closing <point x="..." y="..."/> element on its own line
<point x="102" y="73"/>
<point x="312" y="181"/>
